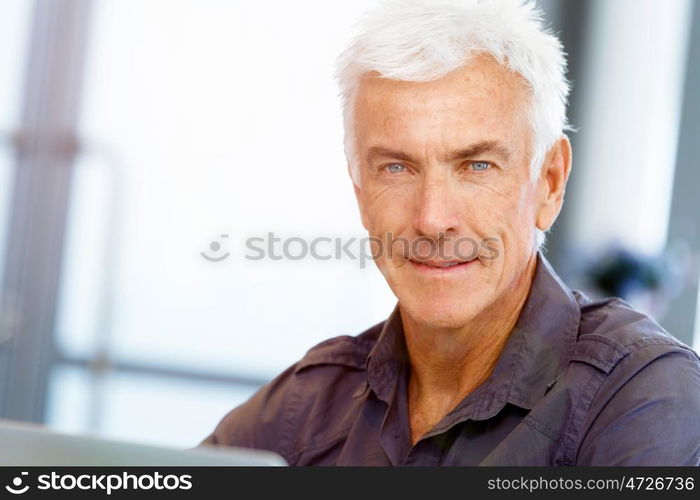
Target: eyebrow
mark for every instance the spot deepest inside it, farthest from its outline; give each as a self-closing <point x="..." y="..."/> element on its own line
<point x="481" y="148"/>
<point x="472" y="151"/>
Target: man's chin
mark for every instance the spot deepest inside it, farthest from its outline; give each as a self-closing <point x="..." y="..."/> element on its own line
<point x="438" y="314"/>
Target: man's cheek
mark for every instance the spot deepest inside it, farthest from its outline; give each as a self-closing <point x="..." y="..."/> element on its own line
<point x="385" y="223"/>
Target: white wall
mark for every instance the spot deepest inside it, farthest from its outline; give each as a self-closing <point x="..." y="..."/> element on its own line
<point x="631" y="92"/>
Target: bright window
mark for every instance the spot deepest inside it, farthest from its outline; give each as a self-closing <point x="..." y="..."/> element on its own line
<point x="14" y="35"/>
<point x="202" y="119"/>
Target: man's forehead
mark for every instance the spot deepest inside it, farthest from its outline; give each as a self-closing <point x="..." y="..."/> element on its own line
<point x="481" y="78"/>
<point x="481" y="101"/>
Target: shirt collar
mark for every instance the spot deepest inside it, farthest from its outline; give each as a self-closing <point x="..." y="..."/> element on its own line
<point x="536" y="352"/>
<point x="387" y="358"/>
<point x="538" y="348"/>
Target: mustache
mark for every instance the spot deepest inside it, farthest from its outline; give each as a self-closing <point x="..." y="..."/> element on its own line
<point x="441" y="248"/>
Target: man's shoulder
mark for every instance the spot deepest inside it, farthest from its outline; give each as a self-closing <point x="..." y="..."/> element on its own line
<point x="349" y="351"/>
<point x="610" y="330"/>
<point x="295" y="410"/>
<point x="649" y="379"/>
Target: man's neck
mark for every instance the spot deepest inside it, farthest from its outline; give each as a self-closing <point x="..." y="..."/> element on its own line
<point x="448" y="364"/>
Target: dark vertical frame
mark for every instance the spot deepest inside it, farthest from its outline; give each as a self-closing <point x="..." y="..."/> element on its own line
<point x="45" y="155"/>
<point x="684" y="223"/>
<point x="569" y="20"/>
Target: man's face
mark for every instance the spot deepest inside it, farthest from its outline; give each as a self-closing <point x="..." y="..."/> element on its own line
<point x="444" y="168"/>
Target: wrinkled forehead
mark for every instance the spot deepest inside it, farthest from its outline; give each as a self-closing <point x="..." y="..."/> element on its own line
<point x="482" y="98"/>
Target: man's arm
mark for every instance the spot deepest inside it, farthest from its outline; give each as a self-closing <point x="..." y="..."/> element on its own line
<point x="647" y="412"/>
<point x="263" y="422"/>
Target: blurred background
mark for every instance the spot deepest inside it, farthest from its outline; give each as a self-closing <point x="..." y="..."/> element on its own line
<point x="143" y="141"/>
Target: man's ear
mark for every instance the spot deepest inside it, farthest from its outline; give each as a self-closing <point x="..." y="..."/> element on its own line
<point x="552" y="182"/>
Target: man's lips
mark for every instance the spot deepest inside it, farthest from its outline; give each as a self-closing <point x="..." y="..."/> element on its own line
<point x="441" y="266"/>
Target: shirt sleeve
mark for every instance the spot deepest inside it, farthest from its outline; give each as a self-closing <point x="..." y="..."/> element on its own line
<point x="263" y="422"/>
<point x="647" y="412"/>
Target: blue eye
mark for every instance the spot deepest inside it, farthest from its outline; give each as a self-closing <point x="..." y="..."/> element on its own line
<point x="480" y="165"/>
<point x="395" y="168"/>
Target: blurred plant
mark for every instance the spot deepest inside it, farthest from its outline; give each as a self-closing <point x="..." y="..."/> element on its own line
<point x="648" y="283"/>
<point x="623" y="273"/>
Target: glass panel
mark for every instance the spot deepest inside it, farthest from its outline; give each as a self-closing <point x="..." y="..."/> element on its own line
<point x="164" y="411"/>
<point x="87" y="270"/>
<point x="214" y="118"/>
<point x="146" y="409"/>
<point x="6" y="180"/>
<point x="15" y="17"/>
<point x="68" y="403"/>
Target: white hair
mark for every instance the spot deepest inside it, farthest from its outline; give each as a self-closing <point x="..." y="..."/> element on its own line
<point x="423" y="40"/>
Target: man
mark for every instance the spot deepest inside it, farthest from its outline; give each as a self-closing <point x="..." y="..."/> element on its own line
<point x="454" y="116"/>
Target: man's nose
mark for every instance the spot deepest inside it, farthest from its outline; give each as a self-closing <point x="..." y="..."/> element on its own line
<point x="436" y="212"/>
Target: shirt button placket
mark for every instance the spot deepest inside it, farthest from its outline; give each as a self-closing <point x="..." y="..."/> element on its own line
<point x="424" y="454"/>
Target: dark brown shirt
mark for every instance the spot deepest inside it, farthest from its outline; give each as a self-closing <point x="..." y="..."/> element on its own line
<point x="579" y="382"/>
